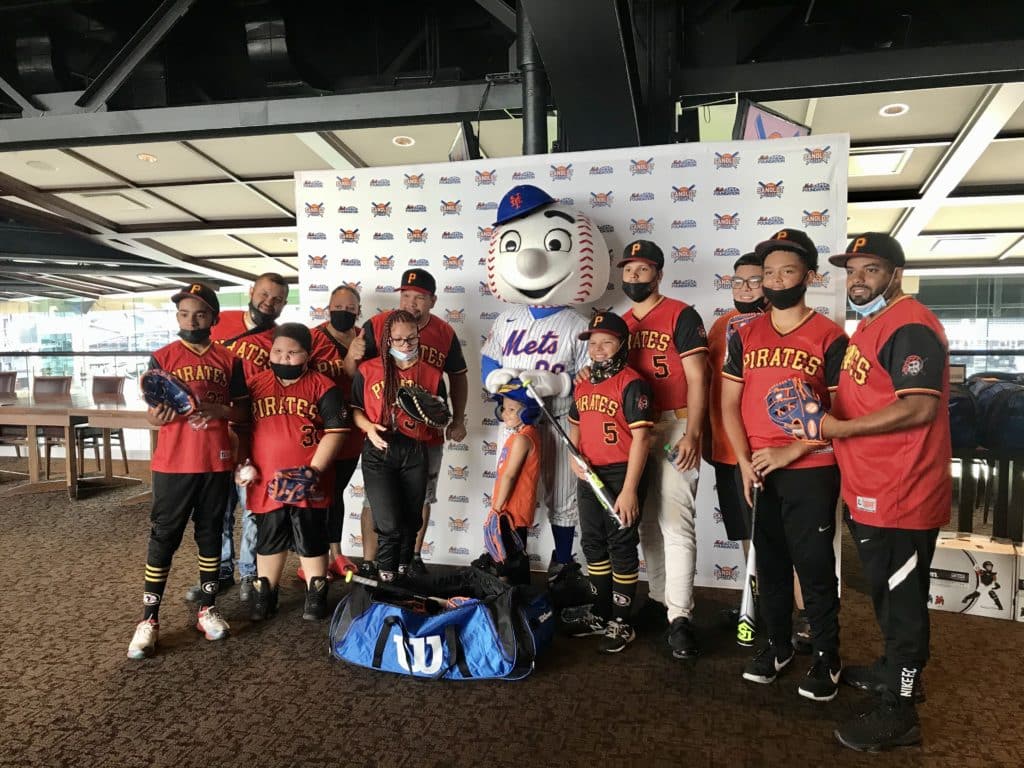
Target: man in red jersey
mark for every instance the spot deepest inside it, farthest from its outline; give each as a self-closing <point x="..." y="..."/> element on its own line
<point x="668" y="347"/>
<point x="192" y="463"/>
<point x="440" y="348"/>
<point x="799" y="481"/>
<point x="891" y="438"/>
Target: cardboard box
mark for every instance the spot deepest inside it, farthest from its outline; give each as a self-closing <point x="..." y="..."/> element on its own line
<point x="973" y="574"/>
<point x="1020" y="583"/>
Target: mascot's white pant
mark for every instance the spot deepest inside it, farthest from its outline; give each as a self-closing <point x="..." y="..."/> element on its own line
<point x="557" y="489"/>
<point x="668" y="531"/>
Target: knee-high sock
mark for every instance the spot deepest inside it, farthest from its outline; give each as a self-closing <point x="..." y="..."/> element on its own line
<point x="563" y="535"/>
<point x="623" y="592"/>
<point x="600" y="575"/>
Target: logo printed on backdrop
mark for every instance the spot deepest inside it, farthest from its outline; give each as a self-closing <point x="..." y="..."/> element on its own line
<point x="727" y="221"/>
<point x="815" y="218"/>
<point x="451" y="235"/>
<point x="348" y="209"/>
<point x="383" y="236"/>
<point x="684" y="194"/>
<point x="641" y="226"/>
<point x="684" y="253"/>
<point x="770" y="189"/>
<point x="345" y="183"/>
<point x="418" y="208"/>
<point x="561" y="172"/>
<point x="315" y="209"/>
<point x="820" y="280"/>
<point x="726" y="191"/>
<point x="770" y="221"/>
<point x="491" y="206"/>
<point x="638" y="197"/>
<point x="313" y="184"/>
<point x="384" y="289"/>
<point x="450" y="180"/>
<point x="601" y="170"/>
<point x="454" y="316"/>
<point x="727" y="252"/>
<point x="428" y="549"/>
<point x="641" y="167"/>
<point x="318" y="313"/>
<point x="419" y="262"/>
<point x="355" y="540"/>
<point x="351" y="262"/>
<point x="486" y="178"/>
<point x="451" y="207"/>
<point x="523" y="176"/>
<point x="817" y="155"/>
<point x="821" y="186"/>
<point x="727" y="160"/>
<point x="484" y="234"/>
<point x="318" y="287"/>
<point x="458" y="550"/>
<point x="383" y="262"/>
<point x="726" y="572"/>
<point x="454" y="499"/>
<point x="567" y="201"/>
<point x="316" y="235"/>
<point x="348" y="235"/>
<point x="488" y="315"/>
<point x="380" y="182"/>
<point x="490" y="448"/>
<point x="454" y="261"/>
<point x="457" y="447"/>
<point x="458" y="524"/>
<point x="688" y="283"/>
<point x="455" y="289"/>
<point x="414" y="180"/>
<point x="684" y="224"/>
<point x="601" y="199"/>
<point x="380" y="209"/>
<point x="484" y="290"/>
<point x="771" y="160"/>
<point x="416" y="235"/>
<point x="317" y="262"/>
<point x="723" y="282"/>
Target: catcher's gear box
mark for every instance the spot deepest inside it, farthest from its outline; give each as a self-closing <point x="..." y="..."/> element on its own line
<point x="973" y="574"/>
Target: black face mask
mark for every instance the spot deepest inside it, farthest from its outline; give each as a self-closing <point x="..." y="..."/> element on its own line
<point x="287" y="372"/>
<point x="746" y="307"/>
<point x="638" y="291"/>
<point x="195" y="335"/>
<point x="342" y="320"/>
<point x="262" y="319"/>
<point x="605" y="369"/>
<point x="787" y="297"/>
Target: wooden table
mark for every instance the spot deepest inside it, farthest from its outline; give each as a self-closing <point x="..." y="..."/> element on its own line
<point x="115" y="412"/>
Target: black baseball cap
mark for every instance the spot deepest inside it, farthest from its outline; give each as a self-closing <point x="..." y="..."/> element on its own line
<point x="877" y="244"/>
<point x="606" y="322"/>
<point x="418" y="280"/>
<point x="794" y="240"/>
<point x="200" y="291"/>
<point x="643" y="250"/>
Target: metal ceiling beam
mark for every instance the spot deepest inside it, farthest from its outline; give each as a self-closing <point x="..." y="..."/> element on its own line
<point x="384" y="107"/>
<point x="332" y="150"/>
<point x="998" y="105"/>
<point x="77" y="290"/>
<point x="890" y="69"/>
<point x="146" y="187"/>
<point x="500" y="10"/>
<point x="221" y="227"/>
<point x="148" y="270"/>
<point x="27" y="106"/>
<point x="152" y="31"/>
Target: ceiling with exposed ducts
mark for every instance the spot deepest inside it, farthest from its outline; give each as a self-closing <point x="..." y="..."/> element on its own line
<point x="143" y="144"/>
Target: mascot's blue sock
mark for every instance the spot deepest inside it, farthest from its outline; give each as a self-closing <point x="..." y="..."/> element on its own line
<point x="564" y="535"/>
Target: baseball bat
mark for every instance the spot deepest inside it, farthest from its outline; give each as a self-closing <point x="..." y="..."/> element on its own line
<point x="747" y="623"/>
<point x="595" y="482"/>
<point x="398" y="590"/>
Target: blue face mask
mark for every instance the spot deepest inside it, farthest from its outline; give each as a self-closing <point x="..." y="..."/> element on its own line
<point x="404" y="357"/>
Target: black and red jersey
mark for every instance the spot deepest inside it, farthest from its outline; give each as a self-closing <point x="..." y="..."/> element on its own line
<point x="328" y="358"/>
<point x="607" y="412"/>
<point x="368" y="396"/>
<point x="251" y="347"/>
<point x="439" y="344"/>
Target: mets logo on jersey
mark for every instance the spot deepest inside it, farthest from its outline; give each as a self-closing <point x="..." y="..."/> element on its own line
<point x="601" y="199"/>
<point x="641" y="226"/>
<point x="451" y="207"/>
<point x="357" y="491"/>
<point x="416" y="235"/>
<point x="817" y="155"/>
<point x="486" y="178"/>
<point x="458" y="524"/>
<point x="490" y="449"/>
<point x="561" y="172"/>
<point x="355" y="540"/>
<point x="380" y="209"/>
<point x="316" y="262"/>
<point x="727" y="221"/>
<point x="727" y="160"/>
<point x="315" y="209"/>
<point x="684" y="252"/>
<point x="383" y="262"/>
<point x="684" y="194"/>
<point x="458" y="473"/>
<point x="454" y="315"/>
<point x="726" y="572"/>
<point x="452" y="262"/>
<point x="345" y="183"/>
<point x="348" y="235"/>
<point x="414" y="180"/>
<point x="723" y="282"/>
<point x="641" y="167"/>
<point x="815" y="218"/>
<point x="820" y="280"/>
<point x="769" y="189"/>
<point x="484" y="234"/>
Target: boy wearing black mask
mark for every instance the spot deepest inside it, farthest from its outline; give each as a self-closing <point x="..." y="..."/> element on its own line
<point x="788" y="357"/>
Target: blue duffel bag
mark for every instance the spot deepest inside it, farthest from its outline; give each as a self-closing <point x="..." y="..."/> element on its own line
<point x="487" y="631"/>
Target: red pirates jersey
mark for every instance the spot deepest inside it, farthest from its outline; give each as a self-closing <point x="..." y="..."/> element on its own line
<point x="659" y="342"/>
<point x="328" y="358"/>
<point x="759" y="357"/>
<point x="606" y="412"/>
<point x="368" y="396"/>
<point x="287" y="424"/>
<point x="898" y="479"/>
<point x="439" y="346"/>
<point x="213" y="376"/>
<point x="253" y="348"/>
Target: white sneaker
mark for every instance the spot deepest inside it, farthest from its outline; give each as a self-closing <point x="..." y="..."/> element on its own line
<point x="212" y="624"/>
<point x="143" y="642"/>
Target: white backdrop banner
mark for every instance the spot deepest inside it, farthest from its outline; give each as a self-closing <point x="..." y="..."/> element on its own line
<point x="704" y="204"/>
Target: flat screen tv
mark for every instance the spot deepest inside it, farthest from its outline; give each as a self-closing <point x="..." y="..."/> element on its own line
<point x="754" y="121"/>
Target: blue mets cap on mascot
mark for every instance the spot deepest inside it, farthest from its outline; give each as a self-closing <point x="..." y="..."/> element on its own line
<point x="520" y="201"/>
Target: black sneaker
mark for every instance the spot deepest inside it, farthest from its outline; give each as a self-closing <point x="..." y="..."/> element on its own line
<point x="368" y="570"/>
<point x="871" y="678"/>
<point x="888" y="725"/>
<point x="264" y="600"/>
<point x="316" y="599"/>
<point x="617" y="635"/>
<point x="417" y="567"/>
<point x="802" y="634"/>
<point x="582" y="623"/>
<point x="767" y="663"/>
<point x="822" y="681"/>
<point x="682" y="639"/>
<point x="245" y="588"/>
<point x="194" y="594"/>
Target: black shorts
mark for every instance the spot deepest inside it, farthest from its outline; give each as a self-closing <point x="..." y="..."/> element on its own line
<point x="298" y="528"/>
<point x="735" y="512"/>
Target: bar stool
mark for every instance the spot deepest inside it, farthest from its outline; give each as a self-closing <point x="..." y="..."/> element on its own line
<point x="104" y="389"/>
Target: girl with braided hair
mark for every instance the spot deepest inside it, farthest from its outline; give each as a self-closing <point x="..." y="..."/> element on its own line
<point x="394" y="454"/>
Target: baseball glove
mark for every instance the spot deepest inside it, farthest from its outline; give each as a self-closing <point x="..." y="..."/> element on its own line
<point x="294" y="486"/>
<point x="500" y="537"/>
<point x="736" y="322"/>
<point x="796" y="409"/>
<point x="424" y="407"/>
<point x="160" y="387"/>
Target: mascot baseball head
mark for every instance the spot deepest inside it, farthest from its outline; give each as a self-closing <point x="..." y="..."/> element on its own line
<point x="544" y="254"/>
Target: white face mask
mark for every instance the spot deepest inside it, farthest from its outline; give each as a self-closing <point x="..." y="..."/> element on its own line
<point x="404" y="357"/>
<point x="877" y="304"/>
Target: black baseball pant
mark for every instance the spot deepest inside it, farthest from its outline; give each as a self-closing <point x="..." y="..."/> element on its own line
<point x="734" y="508"/>
<point x="795" y="528"/>
<point x="178" y="497"/>
<point x="343" y="471"/>
<point x="896" y="563"/>
<point x="396" y="486"/>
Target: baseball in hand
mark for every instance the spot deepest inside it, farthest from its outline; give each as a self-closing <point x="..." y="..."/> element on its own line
<point x="246" y="473"/>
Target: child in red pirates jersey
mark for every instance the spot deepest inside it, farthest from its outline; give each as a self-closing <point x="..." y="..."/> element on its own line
<point x="395" y="452"/>
<point x="298" y="418"/>
<point x="610" y="423"/>
<point x="331" y="343"/>
<point x="799" y="482"/>
<point x="192" y="463"/>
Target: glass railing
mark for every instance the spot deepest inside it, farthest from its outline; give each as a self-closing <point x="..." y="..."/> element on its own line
<point x="81" y="366"/>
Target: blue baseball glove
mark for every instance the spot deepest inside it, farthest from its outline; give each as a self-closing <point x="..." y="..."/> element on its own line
<point x="796" y="409"/>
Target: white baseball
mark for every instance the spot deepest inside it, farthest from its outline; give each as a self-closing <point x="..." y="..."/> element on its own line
<point x="247" y="473"/>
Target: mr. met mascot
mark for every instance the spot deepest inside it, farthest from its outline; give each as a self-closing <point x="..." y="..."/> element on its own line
<point x="543" y="258"/>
